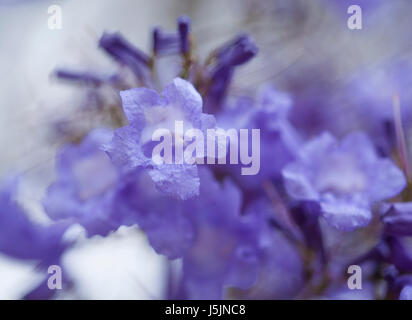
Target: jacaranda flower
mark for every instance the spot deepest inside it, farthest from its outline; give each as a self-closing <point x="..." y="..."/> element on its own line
<point x="218" y="246"/>
<point x="166" y="224"/>
<point x="279" y="141"/>
<point x="87" y="186"/>
<point x="147" y="111"/>
<point x="22" y="238"/>
<point x="344" y="178"/>
<point x="225" y="250"/>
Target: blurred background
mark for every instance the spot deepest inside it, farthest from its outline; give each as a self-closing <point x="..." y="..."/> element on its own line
<point x="305" y="48"/>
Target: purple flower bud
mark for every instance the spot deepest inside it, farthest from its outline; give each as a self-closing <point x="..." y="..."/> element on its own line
<point x="183" y="27"/>
<point x="82" y="77"/>
<point x="237" y="52"/>
<point x="172" y="43"/>
<point x="165" y="43"/>
<point x="125" y="53"/>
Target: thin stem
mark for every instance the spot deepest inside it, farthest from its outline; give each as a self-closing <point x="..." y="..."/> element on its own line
<point x="400" y="136"/>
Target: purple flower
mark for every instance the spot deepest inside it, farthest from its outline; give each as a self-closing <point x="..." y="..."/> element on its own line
<point x="273" y="235"/>
<point x="146" y="111"/>
<point x="373" y="91"/>
<point x="406" y="293"/>
<point x="164" y="220"/>
<point x="225" y="251"/>
<point x="316" y="105"/>
<point x="344" y="178"/>
<point x="86" y="186"/>
<point x="218" y="246"/>
<point x="279" y="141"/>
<point x="281" y="271"/>
<point x="23" y="239"/>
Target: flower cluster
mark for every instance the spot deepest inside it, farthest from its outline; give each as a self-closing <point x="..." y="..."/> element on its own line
<point x="317" y="205"/>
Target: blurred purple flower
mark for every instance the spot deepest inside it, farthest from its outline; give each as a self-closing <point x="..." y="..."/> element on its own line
<point x="344" y="178"/>
<point x="225" y="248"/>
<point x="279" y="141"/>
<point x="236" y="236"/>
<point x="86" y="187"/>
<point x="406" y="293"/>
<point x="23" y="239"/>
<point x="281" y="269"/>
<point x="219" y="248"/>
<point x="167" y="225"/>
<point x="371" y="93"/>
